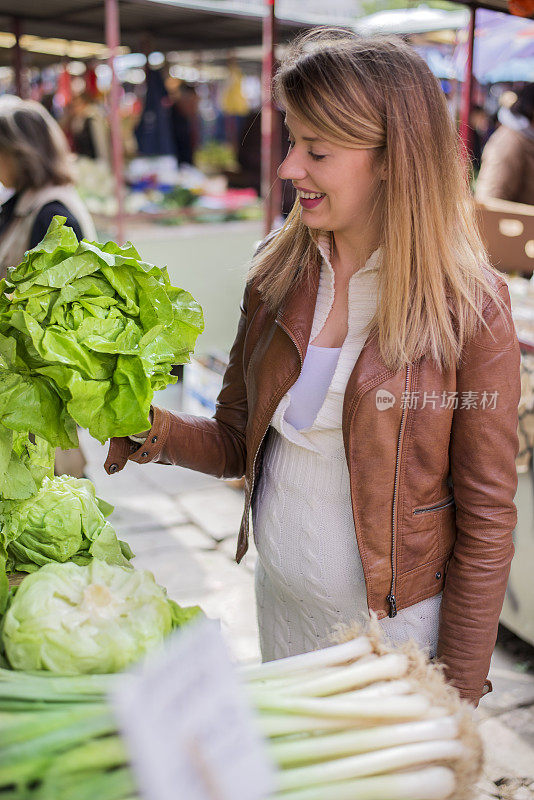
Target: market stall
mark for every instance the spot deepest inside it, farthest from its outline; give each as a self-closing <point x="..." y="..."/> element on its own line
<point x="185" y="26"/>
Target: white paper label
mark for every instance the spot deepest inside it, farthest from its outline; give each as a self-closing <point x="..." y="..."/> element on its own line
<point x="188" y="726"/>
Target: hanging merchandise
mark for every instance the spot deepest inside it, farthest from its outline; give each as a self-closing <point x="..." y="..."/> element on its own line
<point x="91" y="87"/>
<point x="64" y="89"/>
<point x="153" y="132"/>
<point x="233" y="100"/>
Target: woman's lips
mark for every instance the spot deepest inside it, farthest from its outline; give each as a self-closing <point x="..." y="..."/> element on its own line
<point x="308" y="203"/>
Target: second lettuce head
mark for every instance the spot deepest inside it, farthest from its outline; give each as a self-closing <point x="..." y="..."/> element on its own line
<point x="98" y="618"/>
<point x="64" y="521"/>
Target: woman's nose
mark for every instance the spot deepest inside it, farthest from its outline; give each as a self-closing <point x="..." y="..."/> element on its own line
<point x="290" y="169"/>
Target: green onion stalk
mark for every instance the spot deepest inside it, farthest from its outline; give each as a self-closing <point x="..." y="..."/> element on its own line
<point x="355" y="721"/>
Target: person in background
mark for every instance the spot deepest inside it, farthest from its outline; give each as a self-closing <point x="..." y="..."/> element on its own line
<point x="36" y="165"/>
<point x="507" y="169"/>
<point x="184" y="115"/>
<point x="479" y="123"/>
<point x="87" y="128"/>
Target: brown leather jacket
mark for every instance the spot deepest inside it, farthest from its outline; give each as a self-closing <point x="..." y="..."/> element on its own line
<point x="432" y="485"/>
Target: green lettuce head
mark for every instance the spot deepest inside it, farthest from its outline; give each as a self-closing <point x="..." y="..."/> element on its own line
<point x="64" y="521"/>
<point x="98" y="618"/>
<point x="88" y="333"/>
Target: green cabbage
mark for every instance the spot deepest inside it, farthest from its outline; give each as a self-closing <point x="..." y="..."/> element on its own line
<point x="88" y="332"/>
<point x="98" y="618"/>
<point x="64" y="521"/>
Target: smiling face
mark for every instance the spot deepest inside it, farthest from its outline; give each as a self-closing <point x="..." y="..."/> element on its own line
<point x="336" y="185"/>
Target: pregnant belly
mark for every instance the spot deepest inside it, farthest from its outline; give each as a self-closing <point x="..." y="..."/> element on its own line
<point x="307" y="544"/>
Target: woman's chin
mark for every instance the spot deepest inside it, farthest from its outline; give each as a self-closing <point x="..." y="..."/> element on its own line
<point x="313" y="221"/>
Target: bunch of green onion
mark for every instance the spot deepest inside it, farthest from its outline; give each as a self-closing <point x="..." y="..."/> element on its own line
<point x="355" y="721"/>
<point x="361" y="721"/>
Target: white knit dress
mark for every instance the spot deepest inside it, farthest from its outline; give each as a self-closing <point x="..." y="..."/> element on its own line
<point x="309" y="576"/>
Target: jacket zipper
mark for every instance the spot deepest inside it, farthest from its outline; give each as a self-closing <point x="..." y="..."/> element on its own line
<point x="392" y="600"/>
<point x="434" y="508"/>
<point x="281" y="325"/>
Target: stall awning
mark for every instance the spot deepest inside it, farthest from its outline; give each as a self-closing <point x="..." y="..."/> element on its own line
<point x="169" y="25"/>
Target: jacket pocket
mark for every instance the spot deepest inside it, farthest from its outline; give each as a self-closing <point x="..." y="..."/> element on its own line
<point x="439" y="505"/>
<point x="427" y="534"/>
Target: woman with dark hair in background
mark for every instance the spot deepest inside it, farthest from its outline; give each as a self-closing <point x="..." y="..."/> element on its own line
<point x="36" y="164"/>
<point x="507" y="170"/>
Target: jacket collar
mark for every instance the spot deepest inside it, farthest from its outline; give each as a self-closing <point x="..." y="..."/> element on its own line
<point x="296" y="315"/>
<point x="296" y="318"/>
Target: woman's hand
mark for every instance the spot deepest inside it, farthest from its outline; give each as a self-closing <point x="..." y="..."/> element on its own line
<point x="121" y="448"/>
<point x="140" y="437"/>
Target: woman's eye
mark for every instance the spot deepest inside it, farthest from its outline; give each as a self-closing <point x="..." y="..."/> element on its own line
<point x="312" y="155"/>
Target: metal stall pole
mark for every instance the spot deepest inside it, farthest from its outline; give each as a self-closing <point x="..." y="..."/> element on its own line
<point x="467" y="88"/>
<point x="17" y="58"/>
<point x="112" y="41"/>
<point x="270" y="185"/>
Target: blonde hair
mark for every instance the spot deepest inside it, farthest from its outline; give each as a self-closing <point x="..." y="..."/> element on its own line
<point x="377" y="93"/>
<point x="35" y="142"/>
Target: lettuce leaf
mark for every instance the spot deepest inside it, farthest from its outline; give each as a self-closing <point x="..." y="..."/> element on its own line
<point x="88" y="332"/>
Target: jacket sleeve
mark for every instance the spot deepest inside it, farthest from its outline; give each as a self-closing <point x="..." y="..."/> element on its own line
<point x="215" y="446"/>
<point x="483" y="448"/>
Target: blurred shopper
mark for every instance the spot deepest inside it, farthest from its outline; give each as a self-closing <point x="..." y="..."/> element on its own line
<point x="184" y="122"/>
<point x="507" y="170"/>
<point x="154" y="129"/>
<point x="35" y="163"/>
<point x="87" y="128"/>
<point x="479" y="123"/>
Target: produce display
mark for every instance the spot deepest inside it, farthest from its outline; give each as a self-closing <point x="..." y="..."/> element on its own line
<point x="88" y="332"/>
<point x="356" y="721"/>
<point x="159" y="191"/>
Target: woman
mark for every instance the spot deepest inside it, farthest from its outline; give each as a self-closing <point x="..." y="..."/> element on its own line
<point x="370" y="324"/>
<point x="507" y="168"/>
<point x="36" y="164"/>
